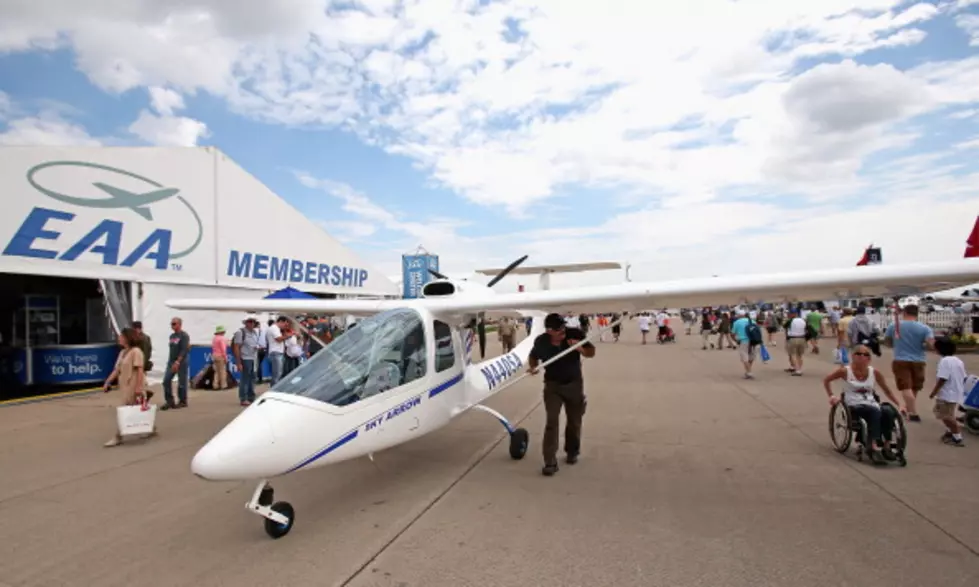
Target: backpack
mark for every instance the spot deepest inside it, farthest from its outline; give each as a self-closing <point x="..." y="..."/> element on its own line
<point x="754" y="333"/>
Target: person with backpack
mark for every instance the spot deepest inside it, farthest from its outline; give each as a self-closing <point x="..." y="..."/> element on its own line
<point x="244" y="346"/>
<point x="749" y="338"/>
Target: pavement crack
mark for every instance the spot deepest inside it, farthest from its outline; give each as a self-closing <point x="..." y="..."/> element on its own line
<point x="853" y="467"/>
<point x="481" y="456"/>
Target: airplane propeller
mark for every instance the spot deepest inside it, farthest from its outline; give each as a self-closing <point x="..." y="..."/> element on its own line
<point x="478" y="321"/>
<point x="481" y="325"/>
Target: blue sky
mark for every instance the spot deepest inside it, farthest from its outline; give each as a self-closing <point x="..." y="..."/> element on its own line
<point x="646" y="135"/>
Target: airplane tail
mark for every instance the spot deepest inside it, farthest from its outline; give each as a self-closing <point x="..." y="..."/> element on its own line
<point x="871" y="256"/>
<point x="972" y="243"/>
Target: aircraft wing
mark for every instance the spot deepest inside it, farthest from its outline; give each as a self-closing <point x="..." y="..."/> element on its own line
<point x="850" y="282"/>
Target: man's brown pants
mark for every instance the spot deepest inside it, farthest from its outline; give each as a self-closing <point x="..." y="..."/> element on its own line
<point x="572" y="397"/>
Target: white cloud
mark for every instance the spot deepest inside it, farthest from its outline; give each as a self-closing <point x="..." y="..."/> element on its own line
<point x="511" y="103"/>
<point x="349" y="230"/>
<point x="172" y="131"/>
<point x="969" y="144"/>
<point x="165" y="101"/>
<point x="970" y="24"/>
<point x="47" y="129"/>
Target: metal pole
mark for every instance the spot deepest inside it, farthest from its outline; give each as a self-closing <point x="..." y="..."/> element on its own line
<point x="570" y="349"/>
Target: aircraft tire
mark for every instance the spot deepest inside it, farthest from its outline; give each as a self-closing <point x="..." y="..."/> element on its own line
<point x="519" y="443"/>
<point x="275" y="529"/>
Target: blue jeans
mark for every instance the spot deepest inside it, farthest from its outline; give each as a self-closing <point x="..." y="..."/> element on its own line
<point x="246" y="381"/>
<point x="276" y="361"/>
<point x="181" y="375"/>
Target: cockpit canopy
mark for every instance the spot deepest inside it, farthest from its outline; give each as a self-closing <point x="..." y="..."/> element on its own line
<point x="378" y="353"/>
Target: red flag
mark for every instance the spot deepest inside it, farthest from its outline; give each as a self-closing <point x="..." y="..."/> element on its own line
<point x="866" y="258"/>
<point x="972" y="244"/>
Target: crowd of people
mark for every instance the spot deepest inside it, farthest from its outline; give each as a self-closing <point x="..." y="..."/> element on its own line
<point x="283" y="344"/>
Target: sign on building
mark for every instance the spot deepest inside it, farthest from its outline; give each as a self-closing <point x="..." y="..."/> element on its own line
<point x="415" y="273"/>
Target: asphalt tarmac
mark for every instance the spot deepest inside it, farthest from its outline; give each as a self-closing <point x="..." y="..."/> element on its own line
<point x="689" y="476"/>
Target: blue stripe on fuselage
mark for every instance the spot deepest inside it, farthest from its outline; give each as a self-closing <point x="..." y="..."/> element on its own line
<point x="353" y="434"/>
<point x="443" y="386"/>
<point x="350" y="436"/>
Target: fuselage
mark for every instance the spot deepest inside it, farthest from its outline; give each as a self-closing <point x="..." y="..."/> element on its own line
<point x="393" y="377"/>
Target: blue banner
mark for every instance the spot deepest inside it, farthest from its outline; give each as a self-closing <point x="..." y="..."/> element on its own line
<point x="415" y="274"/>
<point x="85" y="363"/>
<point x="13" y="367"/>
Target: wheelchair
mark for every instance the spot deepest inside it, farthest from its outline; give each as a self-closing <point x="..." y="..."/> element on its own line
<point x="844" y="429"/>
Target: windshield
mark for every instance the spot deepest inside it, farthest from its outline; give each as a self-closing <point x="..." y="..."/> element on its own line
<point x="378" y="353"/>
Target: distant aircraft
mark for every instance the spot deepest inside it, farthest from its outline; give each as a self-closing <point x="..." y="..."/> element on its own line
<point x="407" y="368"/>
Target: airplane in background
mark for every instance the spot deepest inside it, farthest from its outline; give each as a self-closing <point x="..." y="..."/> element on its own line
<point x="407" y="368"/>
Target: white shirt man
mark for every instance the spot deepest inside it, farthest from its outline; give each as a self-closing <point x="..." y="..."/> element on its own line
<point x="276" y="351"/>
<point x="272" y="333"/>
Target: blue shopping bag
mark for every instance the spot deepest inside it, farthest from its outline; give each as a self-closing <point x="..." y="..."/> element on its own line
<point x="844" y="356"/>
<point x="765" y="357"/>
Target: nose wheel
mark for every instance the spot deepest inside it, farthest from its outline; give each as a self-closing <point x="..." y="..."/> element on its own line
<point x="279" y="516"/>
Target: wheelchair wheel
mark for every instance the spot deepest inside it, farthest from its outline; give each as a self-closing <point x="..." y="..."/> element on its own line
<point x="901" y="435"/>
<point x="839" y="427"/>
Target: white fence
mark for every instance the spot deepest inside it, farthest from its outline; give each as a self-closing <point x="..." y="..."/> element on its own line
<point x="940" y="322"/>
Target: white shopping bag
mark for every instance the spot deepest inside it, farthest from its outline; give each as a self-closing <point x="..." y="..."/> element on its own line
<point x="136" y="419"/>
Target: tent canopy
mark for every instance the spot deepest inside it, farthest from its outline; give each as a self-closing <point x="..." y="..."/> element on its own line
<point x="289" y="293"/>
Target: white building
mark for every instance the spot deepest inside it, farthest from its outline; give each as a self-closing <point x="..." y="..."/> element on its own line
<point x="144" y="225"/>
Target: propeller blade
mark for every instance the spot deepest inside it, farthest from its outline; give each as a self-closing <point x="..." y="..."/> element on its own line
<point x="437" y="274"/>
<point x="509" y="268"/>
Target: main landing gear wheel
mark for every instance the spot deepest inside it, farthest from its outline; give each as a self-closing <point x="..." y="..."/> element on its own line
<point x="519" y="442"/>
<point x="275" y="529"/>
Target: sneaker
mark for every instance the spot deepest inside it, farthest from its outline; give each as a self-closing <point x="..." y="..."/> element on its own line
<point x="947" y="436"/>
<point x="113" y="442"/>
<point x="797" y="373"/>
<point x="888" y="453"/>
<point x="246" y="403"/>
<point x="572" y="458"/>
<point x="549" y="470"/>
<point x="181" y="405"/>
<point x="914" y="417"/>
<point x="952" y="441"/>
<point x="168" y="406"/>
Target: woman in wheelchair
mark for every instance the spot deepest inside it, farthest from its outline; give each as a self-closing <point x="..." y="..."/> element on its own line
<point x="859" y="382"/>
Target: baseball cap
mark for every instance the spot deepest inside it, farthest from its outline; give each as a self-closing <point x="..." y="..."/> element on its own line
<point x="554" y="322"/>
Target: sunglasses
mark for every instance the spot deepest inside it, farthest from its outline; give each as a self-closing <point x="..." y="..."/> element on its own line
<point x="861" y="354"/>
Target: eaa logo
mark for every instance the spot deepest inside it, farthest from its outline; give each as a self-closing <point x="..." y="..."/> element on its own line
<point x="105" y="238"/>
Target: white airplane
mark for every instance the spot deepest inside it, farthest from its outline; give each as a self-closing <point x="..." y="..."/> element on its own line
<point x="407" y="368"/>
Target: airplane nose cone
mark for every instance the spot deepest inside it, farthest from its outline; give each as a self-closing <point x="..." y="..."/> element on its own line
<point x="244" y="449"/>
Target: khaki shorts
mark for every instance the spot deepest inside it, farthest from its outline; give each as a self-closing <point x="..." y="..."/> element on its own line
<point x="909" y="375"/>
<point x="944" y="410"/>
<point x="796" y="347"/>
<point x="747" y="352"/>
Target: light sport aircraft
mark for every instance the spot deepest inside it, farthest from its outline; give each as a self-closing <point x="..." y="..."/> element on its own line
<point x="407" y="368"/>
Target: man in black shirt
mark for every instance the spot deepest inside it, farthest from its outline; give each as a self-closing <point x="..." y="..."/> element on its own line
<point x="563" y="386"/>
